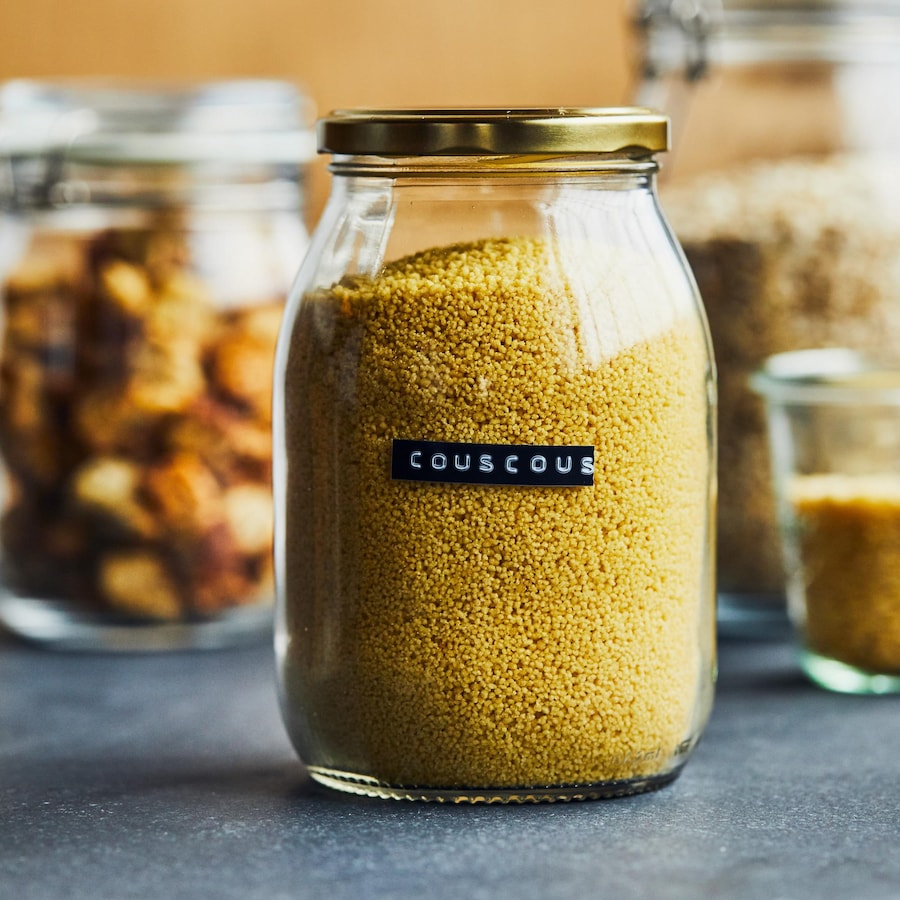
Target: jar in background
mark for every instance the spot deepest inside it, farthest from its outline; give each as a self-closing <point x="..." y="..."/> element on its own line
<point x="834" y="426"/>
<point x="493" y="459"/>
<point x="784" y="189"/>
<point x="148" y="239"/>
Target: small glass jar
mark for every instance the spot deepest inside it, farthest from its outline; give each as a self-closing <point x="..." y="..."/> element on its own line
<point x="783" y="188"/>
<point x="493" y="464"/>
<point x="834" y="426"/>
<point x="149" y="236"/>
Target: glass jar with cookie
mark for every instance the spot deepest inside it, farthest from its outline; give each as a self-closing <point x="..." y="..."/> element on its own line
<point x="149" y="237"/>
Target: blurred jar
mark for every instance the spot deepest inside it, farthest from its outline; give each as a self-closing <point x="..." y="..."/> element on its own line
<point x="834" y="424"/>
<point x="149" y="236"/>
<point x="784" y="189"/>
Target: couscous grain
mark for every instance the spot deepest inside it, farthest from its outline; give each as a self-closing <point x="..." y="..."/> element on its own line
<point x="848" y="567"/>
<point x="451" y="635"/>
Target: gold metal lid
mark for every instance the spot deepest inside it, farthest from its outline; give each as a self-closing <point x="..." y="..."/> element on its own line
<point x="634" y="131"/>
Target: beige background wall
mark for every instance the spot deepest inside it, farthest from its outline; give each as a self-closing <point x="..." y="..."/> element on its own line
<point x="349" y="52"/>
<point x="346" y="52"/>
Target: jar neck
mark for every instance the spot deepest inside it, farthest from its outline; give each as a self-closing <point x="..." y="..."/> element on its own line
<point x="50" y="183"/>
<point x="690" y="38"/>
<point x="639" y="167"/>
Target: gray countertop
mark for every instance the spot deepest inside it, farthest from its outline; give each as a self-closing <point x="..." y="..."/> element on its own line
<point x="171" y="776"/>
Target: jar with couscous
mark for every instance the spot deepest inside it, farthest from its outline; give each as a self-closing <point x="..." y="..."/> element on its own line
<point x="494" y="448"/>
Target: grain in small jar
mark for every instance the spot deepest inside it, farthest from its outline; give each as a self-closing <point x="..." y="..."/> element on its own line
<point x="493" y="458"/>
<point x="848" y="540"/>
<point x="834" y="427"/>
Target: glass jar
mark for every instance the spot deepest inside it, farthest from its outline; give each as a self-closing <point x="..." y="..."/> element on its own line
<point x="493" y="446"/>
<point x="148" y="239"/>
<point x="834" y="426"/>
<point x="784" y="189"/>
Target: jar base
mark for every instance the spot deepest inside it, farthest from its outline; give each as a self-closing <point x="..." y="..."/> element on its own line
<point x="58" y="626"/>
<point x="370" y="787"/>
<point x="841" y="678"/>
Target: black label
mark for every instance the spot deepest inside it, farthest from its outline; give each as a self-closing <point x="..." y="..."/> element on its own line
<point x="521" y="464"/>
